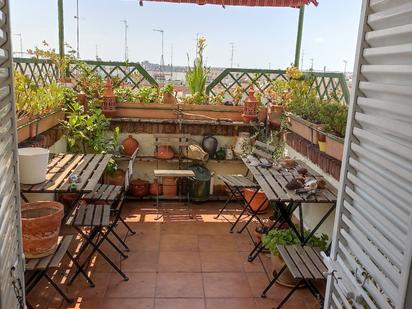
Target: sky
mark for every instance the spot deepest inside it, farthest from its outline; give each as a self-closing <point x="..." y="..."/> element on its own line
<point x="262" y="37"/>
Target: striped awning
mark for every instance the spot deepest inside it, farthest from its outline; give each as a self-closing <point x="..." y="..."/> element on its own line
<point x="271" y="3"/>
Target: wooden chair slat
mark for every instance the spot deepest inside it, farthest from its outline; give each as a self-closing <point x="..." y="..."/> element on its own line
<point x="314" y="254"/>
<point x="106" y="215"/>
<point x="88" y="219"/>
<point x="270" y="148"/>
<point x="105" y="192"/>
<point x="45" y="261"/>
<point x="262" y="153"/>
<point x="309" y="263"/>
<point x="31" y="264"/>
<point x="79" y="218"/>
<point x="267" y="189"/>
<point x="64" y="175"/>
<point x="115" y="193"/>
<point x="61" y="251"/>
<point x="97" y="218"/>
<point x="289" y="262"/>
<point x="300" y="264"/>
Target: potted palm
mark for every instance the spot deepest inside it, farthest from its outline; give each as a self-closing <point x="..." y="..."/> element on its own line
<point x="287" y="237"/>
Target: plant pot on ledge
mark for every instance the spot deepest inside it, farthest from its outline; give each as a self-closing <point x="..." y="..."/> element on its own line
<point x="334" y="147"/>
<point x="275" y="113"/>
<point x="301" y="127"/>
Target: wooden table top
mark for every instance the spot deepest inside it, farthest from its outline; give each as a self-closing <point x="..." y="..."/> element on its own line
<point x="174" y="173"/>
<point x="273" y="181"/>
<point x="89" y="167"/>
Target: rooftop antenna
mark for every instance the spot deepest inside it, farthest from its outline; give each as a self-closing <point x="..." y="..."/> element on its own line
<point x="346" y="63"/>
<point x="97" y="53"/>
<point x="162" y="60"/>
<point x="21" y="43"/>
<point x="126" y="48"/>
<point x="171" y="62"/>
<point x="77" y="17"/>
<point x="232" y="45"/>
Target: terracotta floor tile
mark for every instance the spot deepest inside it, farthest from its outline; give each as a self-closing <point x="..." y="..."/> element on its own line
<point x="259" y="281"/>
<point x="226" y="285"/>
<point x="179" y="285"/>
<point x="82" y="303"/>
<point x="127" y="303"/>
<point x="140" y="261"/>
<point x="212" y="228"/>
<point x="220" y="261"/>
<point x="139" y="285"/>
<point x="217" y="243"/>
<point x="231" y="303"/>
<point x="177" y="242"/>
<point x="144" y="241"/>
<point x="179" y="261"/>
<point x="250" y="267"/>
<point x="185" y="228"/>
<point x="80" y="287"/>
<point x="179" y="303"/>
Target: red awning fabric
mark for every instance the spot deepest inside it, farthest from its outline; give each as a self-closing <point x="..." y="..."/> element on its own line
<point x="271" y="3"/>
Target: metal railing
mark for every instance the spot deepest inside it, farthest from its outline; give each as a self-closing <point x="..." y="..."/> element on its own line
<point x="327" y="85"/>
<point x="43" y="72"/>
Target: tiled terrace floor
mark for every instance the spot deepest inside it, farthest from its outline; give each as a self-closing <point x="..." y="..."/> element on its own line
<point x="175" y="263"/>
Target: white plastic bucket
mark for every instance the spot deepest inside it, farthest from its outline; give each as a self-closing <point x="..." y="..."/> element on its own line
<point x="33" y="165"/>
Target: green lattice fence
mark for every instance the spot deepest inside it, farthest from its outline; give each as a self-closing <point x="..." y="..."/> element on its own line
<point x="326" y="84"/>
<point x="129" y="73"/>
<point x="42" y="72"/>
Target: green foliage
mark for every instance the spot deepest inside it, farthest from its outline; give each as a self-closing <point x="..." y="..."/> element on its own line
<point x="33" y="101"/>
<point x="124" y="94"/>
<point x="167" y="89"/>
<point x="89" y="81"/>
<point x="86" y="133"/>
<point x="333" y="116"/>
<point x="147" y="95"/>
<point x="287" y="237"/>
<point x="196" y="76"/>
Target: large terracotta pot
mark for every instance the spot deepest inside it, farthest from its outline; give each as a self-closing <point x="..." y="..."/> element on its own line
<point x="275" y="113"/>
<point x="301" y="127"/>
<point x="169" y="98"/>
<point x="164" y="152"/>
<point x="40" y="227"/>
<point x="117" y="178"/>
<point x="139" y="188"/>
<point x="286" y="278"/>
<point x="334" y="147"/>
<point x="257" y="199"/>
<point x="155" y="188"/>
<point x="169" y="186"/>
<point x="130" y="145"/>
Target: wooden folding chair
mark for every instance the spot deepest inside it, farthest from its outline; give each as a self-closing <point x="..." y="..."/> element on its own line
<point x="306" y="266"/>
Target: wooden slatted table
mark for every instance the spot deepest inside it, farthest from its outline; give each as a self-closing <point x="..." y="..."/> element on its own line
<point x="89" y="167"/>
<point x="273" y="182"/>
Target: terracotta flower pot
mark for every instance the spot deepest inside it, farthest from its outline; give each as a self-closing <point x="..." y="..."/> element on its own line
<point x="117" y="178"/>
<point x="263" y="114"/>
<point x="258" y="199"/>
<point x="300" y="127"/>
<point x="164" y="152"/>
<point x="40" y="227"/>
<point x="129" y="144"/>
<point x="155" y="188"/>
<point x="139" y="188"/>
<point x="334" y="148"/>
<point x="275" y="113"/>
<point x="169" y="98"/>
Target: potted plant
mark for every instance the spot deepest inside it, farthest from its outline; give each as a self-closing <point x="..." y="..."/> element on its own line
<point x="196" y="76"/>
<point x="167" y="94"/>
<point x="287" y="237"/>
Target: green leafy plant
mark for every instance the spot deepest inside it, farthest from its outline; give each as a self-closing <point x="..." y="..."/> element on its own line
<point x="125" y="94"/>
<point x="147" y="95"/>
<point x="333" y="115"/>
<point x="196" y="76"/>
<point x="167" y="89"/>
<point x="89" y="81"/>
<point x="287" y="237"/>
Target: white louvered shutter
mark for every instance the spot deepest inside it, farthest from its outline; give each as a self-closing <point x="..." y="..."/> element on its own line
<point x="11" y="260"/>
<point x="372" y="241"/>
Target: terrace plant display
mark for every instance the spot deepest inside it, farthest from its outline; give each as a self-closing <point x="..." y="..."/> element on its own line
<point x="196" y="76"/>
<point x="237" y="95"/>
<point x="48" y="53"/>
<point x="147" y="95"/>
<point x="287" y="237"/>
<point x="124" y="94"/>
<point x="89" y="81"/>
<point x="167" y="94"/>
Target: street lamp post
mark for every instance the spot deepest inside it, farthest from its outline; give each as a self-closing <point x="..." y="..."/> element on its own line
<point x="77" y="29"/>
<point x="162" y="60"/>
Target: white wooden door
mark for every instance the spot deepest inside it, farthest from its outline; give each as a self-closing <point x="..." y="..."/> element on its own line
<point x="372" y="242"/>
<point x="11" y="257"/>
